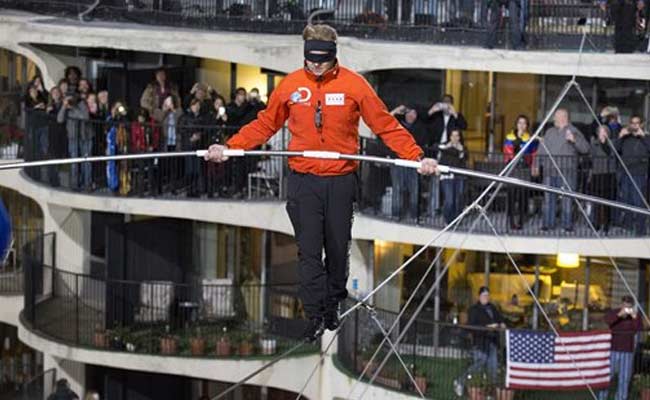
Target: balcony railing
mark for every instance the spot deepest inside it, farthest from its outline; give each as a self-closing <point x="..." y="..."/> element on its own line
<point x="37" y="388"/>
<point x="437" y="353"/>
<point x="390" y="193"/>
<point x="207" y="318"/>
<point x="549" y="24"/>
<point x="29" y="240"/>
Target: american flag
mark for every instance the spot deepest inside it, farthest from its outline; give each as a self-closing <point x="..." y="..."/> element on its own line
<point x="540" y="360"/>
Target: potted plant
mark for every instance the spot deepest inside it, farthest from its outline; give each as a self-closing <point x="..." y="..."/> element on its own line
<point x="197" y="343"/>
<point x="501" y="391"/>
<point x="421" y="382"/>
<point x="268" y="346"/>
<point x="476" y="387"/>
<point x="101" y="337"/>
<point x="246" y="340"/>
<point x="168" y="342"/>
<point x="644" y="387"/>
<point x="223" y="345"/>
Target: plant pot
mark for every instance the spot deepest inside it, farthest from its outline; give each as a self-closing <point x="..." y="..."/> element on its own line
<point x="476" y="393"/>
<point x="101" y="339"/>
<point x="421" y="382"/>
<point x="168" y="345"/>
<point x="222" y="348"/>
<point x="245" y="348"/>
<point x="388" y="382"/>
<point x="505" y="394"/>
<point x="268" y="346"/>
<point x="197" y="346"/>
<point x="645" y="394"/>
<point x="371" y="367"/>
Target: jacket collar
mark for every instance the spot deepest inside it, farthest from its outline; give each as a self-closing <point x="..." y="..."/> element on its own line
<point x="332" y="73"/>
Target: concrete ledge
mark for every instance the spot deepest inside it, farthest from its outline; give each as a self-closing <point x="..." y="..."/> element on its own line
<point x="284" y="52"/>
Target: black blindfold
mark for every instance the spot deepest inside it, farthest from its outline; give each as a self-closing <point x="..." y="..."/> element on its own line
<point x="320" y="51"/>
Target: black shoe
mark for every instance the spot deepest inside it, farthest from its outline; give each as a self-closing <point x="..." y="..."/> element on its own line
<point x="314" y="330"/>
<point x="331" y="320"/>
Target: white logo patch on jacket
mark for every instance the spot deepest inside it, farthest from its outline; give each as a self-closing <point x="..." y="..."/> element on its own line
<point x="335" y="99"/>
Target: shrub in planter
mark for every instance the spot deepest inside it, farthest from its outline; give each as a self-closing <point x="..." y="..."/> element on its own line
<point x="421" y="381"/>
<point x="197" y="343"/>
<point x="477" y="388"/>
<point x="101" y="338"/>
<point x="245" y="344"/>
<point x="501" y="392"/>
<point x="643" y="383"/>
<point x="168" y="343"/>
<point x="223" y="344"/>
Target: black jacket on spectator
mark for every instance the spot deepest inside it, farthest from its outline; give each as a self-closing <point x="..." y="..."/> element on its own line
<point x="451" y="156"/>
<point x="254" y="107"/>
<point x="438" y="126"/>
<point x="239" y="115"/>
<point x="623" y="15"/>
<point x="634" y="151"/>
<point x="481" y="316"/>
<point x="189" y="124"/>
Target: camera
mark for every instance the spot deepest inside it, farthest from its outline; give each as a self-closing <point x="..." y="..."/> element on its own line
<point x="222" y="111"/>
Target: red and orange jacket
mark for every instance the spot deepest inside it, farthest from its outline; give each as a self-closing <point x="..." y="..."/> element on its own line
<point x="343" y="97"/>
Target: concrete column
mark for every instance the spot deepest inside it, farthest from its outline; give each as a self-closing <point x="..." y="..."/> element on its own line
<point x="74" y="372"/>
<point x="361" y="265"/>
<point x="72" y="228"/>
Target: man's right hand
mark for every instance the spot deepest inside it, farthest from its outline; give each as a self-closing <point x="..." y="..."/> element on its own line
<point x="215" y="153"/>
<point x="624" y="132"/>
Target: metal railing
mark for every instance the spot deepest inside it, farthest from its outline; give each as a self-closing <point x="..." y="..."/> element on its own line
<point x="390" y="193"/>
<point x="37" y="388"/>
<point x="39" y="246"/>
<point x="439" y="353"/>
<point x="205" y="318"/>
<point x="547" y="24"/>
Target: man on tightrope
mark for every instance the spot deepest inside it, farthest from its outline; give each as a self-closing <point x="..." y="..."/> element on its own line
<point x="323" y="102"/>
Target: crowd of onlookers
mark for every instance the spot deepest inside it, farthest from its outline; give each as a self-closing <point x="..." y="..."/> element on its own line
<point x="73" y="119"/>
<point x="562" y="157"/>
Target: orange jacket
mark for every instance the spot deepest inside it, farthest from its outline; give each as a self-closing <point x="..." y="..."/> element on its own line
<point x="343" y="96"/>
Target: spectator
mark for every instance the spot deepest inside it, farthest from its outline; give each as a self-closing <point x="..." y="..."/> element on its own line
<point x="64" y="87"/>
<point x="56" y="131"/>
<point x="37" y="83"/>
<point x="72" y="77"/>
<point x="443" y="118"/>
<point x="156" y="92"/>
<point x="238" y="109"/>
<point x="624" y="324"/>
<point x="405" y="181"/>
<point x="74" y="113"/>
<point x="103" y="105"/>
<point x="633" y="145"/>
<point x="92" y="395"/>
<point x="517" y="21"/>
<point x="36" y="124"/>
<point x="256" y="105"/>
<point x="517" y="139"/>
<point x="171" y="169"/>
<point x="564" y="142"/>
<point x="603" y="177"/>
<point x="171" y="117"/>
<point x="84" y="88"/>
<point x="203" y="93"/>
<point x="641" y="26"/>
<point x="623" y="14"/>
<point x="117" y="176"/>
<point x="63" y="391"/>
<point x="453" y="154"/>
<point x="485" y="316"/>
<point x="610" y="117"/>
<point x="192" y="127"/>
<point x="144" y="139"/>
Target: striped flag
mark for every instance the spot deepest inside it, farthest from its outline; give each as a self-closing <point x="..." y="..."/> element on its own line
<point x="540" y="360"/>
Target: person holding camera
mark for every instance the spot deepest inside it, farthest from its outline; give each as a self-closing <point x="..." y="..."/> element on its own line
<point x="74" y="114"/>
<point x="443" y="119"/>
<point x="624" y="323"/>
<point x="633" y="145"/>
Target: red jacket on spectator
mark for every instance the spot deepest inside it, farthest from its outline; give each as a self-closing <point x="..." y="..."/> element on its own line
<point x="144" y="136"/>
<point x="623" y="330"/>
<point x="342" y="97"/>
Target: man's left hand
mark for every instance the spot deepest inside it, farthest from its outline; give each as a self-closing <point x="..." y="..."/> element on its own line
<point x="428" y="166"/>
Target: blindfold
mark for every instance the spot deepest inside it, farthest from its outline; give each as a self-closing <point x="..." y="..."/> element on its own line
<point x="320" y="51"/>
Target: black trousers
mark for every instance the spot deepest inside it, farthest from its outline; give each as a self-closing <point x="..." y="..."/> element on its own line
<point x="321" y="211"/>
